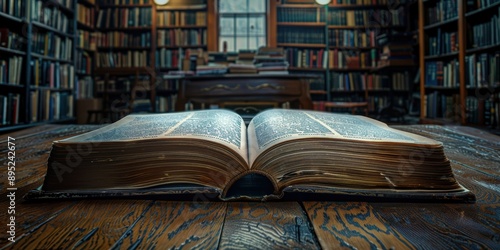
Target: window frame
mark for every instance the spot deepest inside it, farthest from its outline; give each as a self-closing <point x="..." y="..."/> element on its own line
<point x="247" y="15"/>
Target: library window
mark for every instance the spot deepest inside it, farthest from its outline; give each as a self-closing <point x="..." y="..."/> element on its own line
<point x="242" y="24"/>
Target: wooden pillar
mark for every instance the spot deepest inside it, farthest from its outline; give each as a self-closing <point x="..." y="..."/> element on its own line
<point x="212" y="25"/>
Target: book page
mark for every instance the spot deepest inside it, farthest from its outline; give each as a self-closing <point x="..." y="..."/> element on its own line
<point x="219" y="126"/>
<point x="274" y="126"/>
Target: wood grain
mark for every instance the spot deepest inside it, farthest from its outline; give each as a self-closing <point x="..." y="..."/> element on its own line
<point x="32" y="151"/>
<point x="254" y="225"/>
<point x="29" y="216"/>
<point x="88" y="224"/>
<point x="445" y="226"/>
<point x="187" y="225"/>
<point x="353" y="225"/>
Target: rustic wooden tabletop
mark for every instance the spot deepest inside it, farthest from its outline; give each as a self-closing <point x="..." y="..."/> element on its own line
<point x="141" y="224"/>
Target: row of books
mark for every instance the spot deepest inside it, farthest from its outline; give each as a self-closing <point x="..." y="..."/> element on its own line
<point x="442" y="10"/>
<point x="479" y="4"/>
<point x="351" y="38"/>
<point x="123" y="59"/>
<point x="12" y="40"/>
<point x="307" y="58"/>
<point x="438" y="105"/>
<point x="52" y="74"/>
<point x="310" y="35"/>
<point x="124" y="18"/>
<point x="10" y="70"/>
<point x="9" y="109"/>
<point x="166" y="103"/>
<point x="342" y="59"/>
<point x="52" y="45"/>
<point x="120" y="2"/>
<point x="343" y="17"/>
<point x="482" y="70"/>
<point x="86" y="15"/>
<point x="86" y="40"/>
<point x="123" y="39"/>
<point x="481" y="111"/>
<point x="50" y="15"/>
<point x="68" y="4"/>
<point x="487" y="33"/>
<point x="13" y="7"/>
<point x="377" y="103"/>
<point x="181" y="18"/>
<point x="166" y="58"/>
<point x="47" y="105"/>
<point x="180" y="37"/>
<point x="355" y="81"/>
<point x="443" y="43"/>
<point x="84" y="87"/>
<point x="439" y="73"/>
<point x="122" y="84"/>
<point x="84" y="63"/>
<point x="300" y="15"/>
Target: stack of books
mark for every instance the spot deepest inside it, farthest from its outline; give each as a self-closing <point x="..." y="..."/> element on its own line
<point x="244" y="63"/>
<point x="271" y="61"/>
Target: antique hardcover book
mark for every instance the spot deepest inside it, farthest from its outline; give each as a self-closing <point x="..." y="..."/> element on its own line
<point x="288" y="154"/>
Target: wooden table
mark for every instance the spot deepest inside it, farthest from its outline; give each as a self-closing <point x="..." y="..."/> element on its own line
<point x="144" y="224"/>
<point x="221" y="89"/>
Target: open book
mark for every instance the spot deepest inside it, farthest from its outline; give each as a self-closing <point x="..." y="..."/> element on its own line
<point x="281" y="153"/>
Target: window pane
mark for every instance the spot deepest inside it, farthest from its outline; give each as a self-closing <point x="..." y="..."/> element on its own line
<point x="241" y="26"/>
<point x="233" y="6"/>
<point x="241" y="43"/>
<point x="256" y="42"/>
<point x="226" y="26"/>
<point x="257" y="6"/>
<point x="257" y="26"/>
<point x="230" y="43"/>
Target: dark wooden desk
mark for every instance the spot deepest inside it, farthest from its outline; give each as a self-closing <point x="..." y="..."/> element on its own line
<point x="220" y="89"/>
<point x="131" y="224"/>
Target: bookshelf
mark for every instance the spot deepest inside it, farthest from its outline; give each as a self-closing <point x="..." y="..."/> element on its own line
<point x="460" y="80"/>
<point x="337" y="42"/>
<point x="85" y="49"/>
<point x="37" y="67"/>
<point x="125" y="56"/>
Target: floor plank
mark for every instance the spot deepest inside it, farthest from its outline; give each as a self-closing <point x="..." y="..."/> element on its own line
<point x="94" y="224"/>
<point x="254" y="225"/>
<point x="186" y="225"/>
<point x="353" y="225"/>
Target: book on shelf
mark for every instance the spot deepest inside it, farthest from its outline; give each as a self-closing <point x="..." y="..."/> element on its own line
<point x="300" y="15"/>
<point x="351" y="38"/>
<point x="120" y="2"/>
<point x="123" y="59"/>
<point x="86" y="40"/>
<point x="482" y="70"/>
<point x="15" y="8"/>
<point x="281" y="153"/>
<point x="50" y="105"/>
<point x="11" y="70"/>
<point x="49" y="14"/>
<point x="123" y="39"/>
<point x="441" y="11"/>
<point x="52" y="45"/>
<point x="11" y="40"/>
<point x="181" y="18"/>
<point x="486" y="33"/>
<point x="52" y="74"/>
<point x="305" y="35"/>
<point x="86" y="15"/>
<point x="9" y="109"/>
<point x="182" y="37"/>
<point x="85" y="87"/>
<point x="124" y="17"/>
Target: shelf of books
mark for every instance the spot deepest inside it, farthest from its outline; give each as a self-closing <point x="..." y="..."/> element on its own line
<point x="461" y="83"/>
<point x="37" y="67"/>
<point x="180" y="25"/>
<point x="337" y="43"/>
<point x="181" y="32"/>
<point x="124" y="61"/>
<point x="85" y="49"/>
<point x="482" y="63"/>
<point x="301" y="31"/>
<point x="439" y="62"/>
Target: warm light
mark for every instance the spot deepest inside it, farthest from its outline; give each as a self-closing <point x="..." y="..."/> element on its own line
<point x="161" y="2"/>
<point x="323" y="2"/>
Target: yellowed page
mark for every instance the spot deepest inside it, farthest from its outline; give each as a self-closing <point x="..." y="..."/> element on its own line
<point x="220" y="126"/>
<point x="278" y="125"/>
